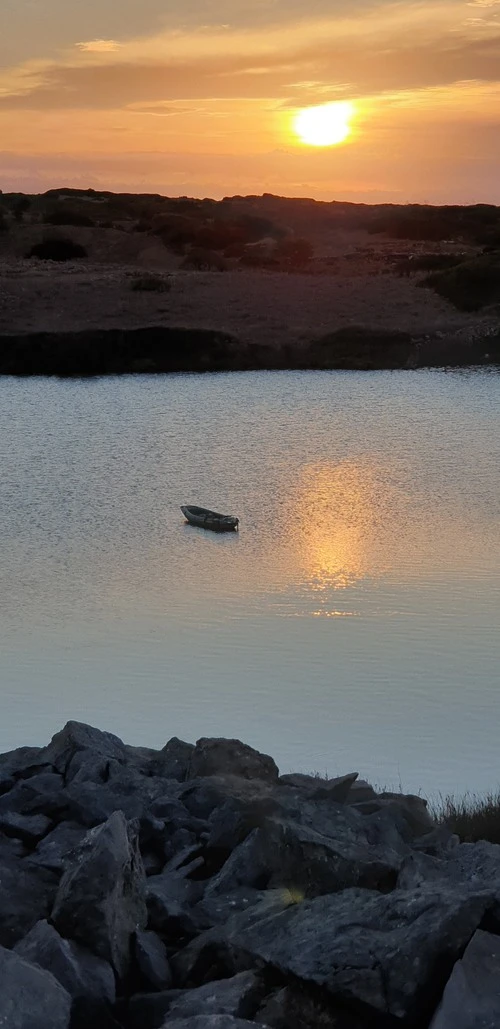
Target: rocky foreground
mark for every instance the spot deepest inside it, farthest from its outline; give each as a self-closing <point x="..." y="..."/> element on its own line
<point x="195" y="888"/>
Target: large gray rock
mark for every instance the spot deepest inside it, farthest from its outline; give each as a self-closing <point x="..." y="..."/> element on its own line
<point x="101" y="898"/>
<point x="344" y="851"/>
<point x="20" y="763"/>
<point x="81" y="973"/>
<point x="55" y="850"/>
<point x="211" y="1022"/>
<point x="390" y="952"/>
<point x="28" y="828"/>
<point x="78" y="742"/>
<point x="174" y="760"/>
<point x="238" y="996"/>
<point x="171" y="901"/>
<point x="26" y="895"/>
<point x="230" y="757"/>
<point x="41" y="794"/>
<point x="30" y="997"/>
<point x="471" y="998"/>
<point x="152" y="961"/>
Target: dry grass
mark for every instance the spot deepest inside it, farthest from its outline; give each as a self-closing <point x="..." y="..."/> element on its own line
<point x="471" y="817"/>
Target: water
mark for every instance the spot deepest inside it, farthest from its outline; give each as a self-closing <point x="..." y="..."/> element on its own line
<point x="353" y="623"/>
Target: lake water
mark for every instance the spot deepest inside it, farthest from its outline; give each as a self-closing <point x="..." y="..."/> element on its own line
<point x="352" y="624"/>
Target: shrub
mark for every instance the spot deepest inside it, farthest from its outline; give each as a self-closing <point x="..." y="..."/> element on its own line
<point x="294" y="253"/>
<point x="4" y="225"/>
<point x="66" y="216"/>
<point x="150" y="284"/>
<point x="20" y="207"/>
<point x="57" y="250"/>
<point x="471" y="817"/>
<point x="470" y="285"/>
<point x="427" y="263"/>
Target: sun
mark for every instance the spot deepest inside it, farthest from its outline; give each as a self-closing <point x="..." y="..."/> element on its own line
<point x="325" y="125"/>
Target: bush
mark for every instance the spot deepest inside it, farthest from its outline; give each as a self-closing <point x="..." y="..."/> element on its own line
<point x="65" y="216"/>
<point x="469" y="285"/>
<point x="472" y="817"/>
<point x="294" y="253"/>
<point x="4" y="225"/>
<point x="57" y="250"/>
<point x="427" y="263"/>
<point x="150" y="284"/>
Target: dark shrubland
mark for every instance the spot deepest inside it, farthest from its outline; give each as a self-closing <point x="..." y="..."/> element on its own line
<point x="150" y="284"/>
<point x="57" y="250"/>
<point x="471" y="817"/>
<point x="470" y="285"/>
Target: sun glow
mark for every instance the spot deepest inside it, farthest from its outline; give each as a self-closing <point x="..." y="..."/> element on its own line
<point x="325" y="125"/>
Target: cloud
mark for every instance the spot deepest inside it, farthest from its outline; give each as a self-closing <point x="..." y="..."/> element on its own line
<point x="99" y="46"/>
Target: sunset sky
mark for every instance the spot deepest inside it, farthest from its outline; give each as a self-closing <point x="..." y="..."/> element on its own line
<point x="198" y="97"/>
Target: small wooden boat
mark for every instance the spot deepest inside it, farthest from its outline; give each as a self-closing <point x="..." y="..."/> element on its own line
<point x="205" y="519"/>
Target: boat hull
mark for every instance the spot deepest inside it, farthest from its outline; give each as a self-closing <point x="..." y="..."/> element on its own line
<point x="203" y="518"/>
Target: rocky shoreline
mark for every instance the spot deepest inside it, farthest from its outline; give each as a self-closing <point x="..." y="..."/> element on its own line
<point x="163" y="349"/>
<point x="196" y="888"/>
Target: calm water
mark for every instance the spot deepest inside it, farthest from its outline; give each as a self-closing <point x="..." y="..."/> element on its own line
<point x="352" y="624"/>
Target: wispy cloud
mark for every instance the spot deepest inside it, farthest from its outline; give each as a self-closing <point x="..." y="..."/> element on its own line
<point x="99" y="46"/>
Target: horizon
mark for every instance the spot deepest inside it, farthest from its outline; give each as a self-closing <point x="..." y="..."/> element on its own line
<point x="207" y="104"/>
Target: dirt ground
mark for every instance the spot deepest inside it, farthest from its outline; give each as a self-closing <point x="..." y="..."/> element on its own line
<point x="349" y="283"/>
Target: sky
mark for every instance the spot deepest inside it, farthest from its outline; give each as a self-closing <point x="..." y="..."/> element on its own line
<point x="198" y="97"/>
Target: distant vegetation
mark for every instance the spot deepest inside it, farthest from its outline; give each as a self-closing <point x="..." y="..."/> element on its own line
<point x="470" y="285"/>
<point x="57" y="250"/>
<point x="471" y="817"/>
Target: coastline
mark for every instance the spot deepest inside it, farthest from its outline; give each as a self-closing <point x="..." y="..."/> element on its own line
<point x="193" y="887"/>
<point x="165" y="349"/>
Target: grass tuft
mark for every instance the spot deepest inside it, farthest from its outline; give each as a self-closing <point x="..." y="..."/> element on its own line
<point x="471" y="817"/>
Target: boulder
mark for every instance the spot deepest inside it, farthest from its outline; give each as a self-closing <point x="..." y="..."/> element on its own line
<point x="18" y="764"/>
<point x="80" y="972"/>
<point x="173" y="762"/>
<point x="43" y="794"/>
<point x="170" y="901"/>
<point x="344" y="851"/>
<point x="414" y="810"/>
<point x="55" y="849"/>
<point x="28" y="828"/>
<point x="471" y="998"/>
<point x="238" y="996"/>
<point x="230" y="757"/>
<point x="100" y="902"/>
<point x="77" y="742"/>
<point x="26" y="895"/>
<point x="30" y="997"/>
<point x="148" y="1010"/>
<point x="211" y="1022"/>
<point x="390" y="952"/>
<point x="360" y="791"/>
<point x="152" y="962"/>
<point x="337" y="789"/>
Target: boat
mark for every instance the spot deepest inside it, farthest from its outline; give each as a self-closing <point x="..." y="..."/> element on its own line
<point x="203" y="518"/>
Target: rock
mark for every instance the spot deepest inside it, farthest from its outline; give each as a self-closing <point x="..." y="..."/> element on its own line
<point x="390" y="952"/>
<point x="101" y="898"/>
<point x="55" y="849"/>
<point x="360" y="791"/>
<point x="170" y="901"/>
<point x="18" y="764"/>
<point x="335" y="789"/>
<point x="345" y="852"/>
<point x="293" y="1006"/>
<point x="30" y="997"/>
<point x="211" y="1022"/>
<point x="80" y="972"/>
<point x="232" y="822"/>
<point x="230" y="757"/>
<point x="174" y="760"/>
<point x="148" y="1010"/>
<point x="26" y="895"/>
<point x="78" y="741"/>
<point x="238" y="996"/>
<point x="28" y="828"/>
<point x="152" y="961"/>
<point x="41" y="794"/>
<point x="414" y="810"/>
<point x="471" y="998"/>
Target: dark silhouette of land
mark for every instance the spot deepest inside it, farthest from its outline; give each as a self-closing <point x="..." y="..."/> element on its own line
<point x="98" y="283"/>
